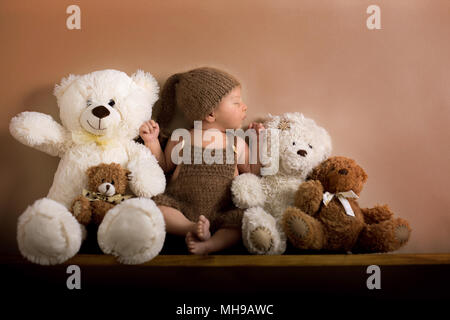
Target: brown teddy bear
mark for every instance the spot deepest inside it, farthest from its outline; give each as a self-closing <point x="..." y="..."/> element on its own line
<point x="107" y="184"/>
<point x="327" y="216"/>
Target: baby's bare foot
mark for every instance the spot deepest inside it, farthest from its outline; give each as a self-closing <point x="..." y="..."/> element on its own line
<point x="196" y="246"/>
<point x="202" y="229"/>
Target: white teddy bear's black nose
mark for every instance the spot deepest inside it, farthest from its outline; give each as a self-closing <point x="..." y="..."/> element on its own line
<point x="100" y="112"/>
<point x="302" y="153"/>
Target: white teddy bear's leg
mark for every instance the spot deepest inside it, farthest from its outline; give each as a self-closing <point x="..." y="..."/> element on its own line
<point x="133" y="231"/>
<point x="47" y="233"/>
<point x="260" y="234"/>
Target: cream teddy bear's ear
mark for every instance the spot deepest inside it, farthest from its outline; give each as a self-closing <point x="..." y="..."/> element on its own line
<point x="146" y="81"/>
<point x="295" y="118"/>
<point x="65" y="83"/>
<point x="272" y="121"/>
<point x="326" y="142"/>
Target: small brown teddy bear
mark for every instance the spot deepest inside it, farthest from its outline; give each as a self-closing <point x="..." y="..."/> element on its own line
<point x="107" y="184"/>
<point x="333" y="220"/>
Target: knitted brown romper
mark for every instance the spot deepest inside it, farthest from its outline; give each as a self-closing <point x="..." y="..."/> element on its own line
<point x="204" y="189"/>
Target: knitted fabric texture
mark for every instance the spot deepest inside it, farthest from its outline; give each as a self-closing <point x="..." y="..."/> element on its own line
<point x="196" y="93"/>
<point x="204" y="189"/>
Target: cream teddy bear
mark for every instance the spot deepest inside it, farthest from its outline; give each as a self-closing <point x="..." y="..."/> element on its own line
<point x="100" y="113"/>
<point x="296" y="146"/>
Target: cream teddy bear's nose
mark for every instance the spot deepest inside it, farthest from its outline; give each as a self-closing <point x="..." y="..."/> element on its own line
<point x="302" y="153"/>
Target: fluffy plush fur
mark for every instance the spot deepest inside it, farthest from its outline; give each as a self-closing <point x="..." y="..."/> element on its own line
<point x="302" y="145"/>
<point x="312" y="224"/>
<point x="100" y="113"/>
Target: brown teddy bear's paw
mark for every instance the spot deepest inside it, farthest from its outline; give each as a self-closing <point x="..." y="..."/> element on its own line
<point x="402" y="233"/>
<point x="304" y="231"/>
<point x="385" y="236"/>
<point x="296" y="228"/>
<point x="81" y="210"/>
<point x="309" y="196"/>
<point x="262" y="239"/>
<point x="99" y="210"/>
<point x="377" y="214"/>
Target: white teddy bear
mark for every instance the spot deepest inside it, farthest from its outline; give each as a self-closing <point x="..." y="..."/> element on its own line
<point x="100" y="113"/>
<point x="300" y="145"/>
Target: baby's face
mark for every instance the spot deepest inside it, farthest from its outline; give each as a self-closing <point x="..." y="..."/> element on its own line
<point x="231" y="111"/>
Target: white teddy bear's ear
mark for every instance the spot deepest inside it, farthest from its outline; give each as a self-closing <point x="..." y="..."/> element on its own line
<point x="272" y="121"/>
<point x="326" y="142"/>
<point x="295" y="118"/>
<point x="146" y="81"/>
<point x="59" y="89"/>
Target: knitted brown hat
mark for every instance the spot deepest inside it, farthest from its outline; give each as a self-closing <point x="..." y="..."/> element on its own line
<point x="196" y="93"/>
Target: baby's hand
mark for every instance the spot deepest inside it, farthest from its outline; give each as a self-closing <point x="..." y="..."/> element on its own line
<point x="149" y="131"/>
<point x="257" y="126"/>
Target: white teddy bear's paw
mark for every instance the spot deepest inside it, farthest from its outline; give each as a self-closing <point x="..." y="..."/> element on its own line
<point x="247" y="191"/>
<point x="260" y="234"/>
<point x="47" y="233"/>
<point x="133" y="231"/>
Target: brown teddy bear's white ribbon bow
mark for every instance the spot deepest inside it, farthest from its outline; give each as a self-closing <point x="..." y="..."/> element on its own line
<point x="342" y="196"/>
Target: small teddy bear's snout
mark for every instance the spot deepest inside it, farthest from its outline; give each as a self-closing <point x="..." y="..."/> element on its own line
<point x="107" y="189"/>
<point x="302" y="153"/>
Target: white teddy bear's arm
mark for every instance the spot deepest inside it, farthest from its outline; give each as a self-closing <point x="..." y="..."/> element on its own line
<point x="247" y="191"/>
<point x="147" y="178"/>
<point x="41" y="132"/>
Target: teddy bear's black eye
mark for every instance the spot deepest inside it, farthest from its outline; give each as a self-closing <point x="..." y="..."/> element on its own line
<point x="111" y="103"/>
<point x="310" y="146"/>
<point x="88" y="102"/>
<point x="112" y="182"/>
<point x="293" y="143"/>
<point x="103" y="180"/>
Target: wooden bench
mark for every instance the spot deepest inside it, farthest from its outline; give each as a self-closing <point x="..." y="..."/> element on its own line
<point x="402" y="275"/>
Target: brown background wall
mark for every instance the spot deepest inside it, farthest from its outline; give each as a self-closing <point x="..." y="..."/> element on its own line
<point x="383" y="95"/>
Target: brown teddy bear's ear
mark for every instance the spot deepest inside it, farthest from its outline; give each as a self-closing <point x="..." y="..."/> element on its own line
<point x="128" y="174"/>
<point x="316" y="173"/>
<point x="92" y="179"/>
<point x="91" y="171"/>
<point x="363" y="174"/>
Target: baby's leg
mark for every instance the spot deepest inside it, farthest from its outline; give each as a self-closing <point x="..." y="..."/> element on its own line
<point x="178" y="224"/>
<point x="222" y="239"/>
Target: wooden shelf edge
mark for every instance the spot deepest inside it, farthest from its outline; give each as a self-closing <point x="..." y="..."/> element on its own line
<point x="335" y="260"/>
